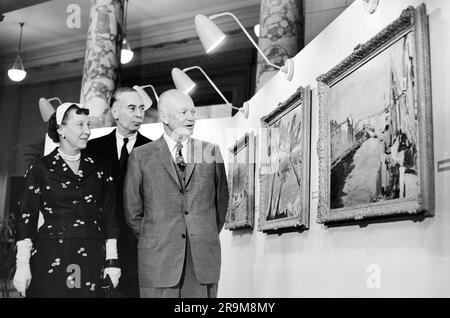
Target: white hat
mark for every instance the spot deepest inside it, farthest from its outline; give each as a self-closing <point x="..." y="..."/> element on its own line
<point x="61" y="111"/>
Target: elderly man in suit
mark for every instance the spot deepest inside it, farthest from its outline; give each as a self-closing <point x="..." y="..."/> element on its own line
<point x="176" y="198"/>
<point x="127" y="108"/>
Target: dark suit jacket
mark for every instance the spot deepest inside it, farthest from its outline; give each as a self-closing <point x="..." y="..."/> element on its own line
<point x="106" y="147"/>
<point x="162" y="212"/>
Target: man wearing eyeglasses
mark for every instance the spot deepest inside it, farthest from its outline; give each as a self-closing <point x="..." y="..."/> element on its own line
<point x="176" y="199"/>
<point x="127" y="108"/>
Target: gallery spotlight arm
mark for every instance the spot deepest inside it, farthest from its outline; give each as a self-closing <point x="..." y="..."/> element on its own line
<point x="214" y="16"/>
<point x="145" y="98"/>
<point x="46" y="108"/>
<point x="212" y="84"/>
<point x="243" y="109"/>
<point x="54" y="98"/>
<point x="153" y="89"/>
<point x="204" y="26"/>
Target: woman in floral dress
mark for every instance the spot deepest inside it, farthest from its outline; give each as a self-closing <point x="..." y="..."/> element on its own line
<point x="75" y="248"/>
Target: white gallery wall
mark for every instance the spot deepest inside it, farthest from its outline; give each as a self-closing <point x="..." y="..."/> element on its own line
<point x="410" y="258"/>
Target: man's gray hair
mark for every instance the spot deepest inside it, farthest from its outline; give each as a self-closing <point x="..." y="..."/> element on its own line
<point x="118" y="92"/>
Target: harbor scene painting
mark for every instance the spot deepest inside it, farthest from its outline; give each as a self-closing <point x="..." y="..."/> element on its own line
<point x="374" y="130"/>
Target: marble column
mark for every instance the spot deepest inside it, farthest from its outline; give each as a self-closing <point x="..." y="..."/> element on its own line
<point x="281" y="35"/>
<point x="102" y="59"/>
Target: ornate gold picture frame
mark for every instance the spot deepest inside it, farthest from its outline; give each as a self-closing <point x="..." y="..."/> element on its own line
<point x="285" y="164"/>
<point x="375" y="127"/>
<point x="241" y="183"/>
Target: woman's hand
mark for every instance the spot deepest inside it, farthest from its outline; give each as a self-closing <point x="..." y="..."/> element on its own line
<point x="114" y="274"/>
<point x="22" y="277"/>
<point x="112" y="267"/>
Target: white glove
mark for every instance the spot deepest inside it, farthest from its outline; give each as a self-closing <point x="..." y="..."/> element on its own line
<point x="22" y="278"/>
<point x="114" y="273"/>
<point x="111" y="249"/>
<point x="111" y="253"/>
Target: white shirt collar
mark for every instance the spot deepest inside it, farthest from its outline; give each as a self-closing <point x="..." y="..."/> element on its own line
<point x="130" y="139"/>
<point x="119" y="142"/>
<point x="172" y="144"/>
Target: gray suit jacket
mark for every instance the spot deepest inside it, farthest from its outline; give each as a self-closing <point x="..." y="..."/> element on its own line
<point x="162" y="213"/>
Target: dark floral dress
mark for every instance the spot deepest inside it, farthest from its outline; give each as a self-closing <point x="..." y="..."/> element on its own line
<point x="78" y="213"/>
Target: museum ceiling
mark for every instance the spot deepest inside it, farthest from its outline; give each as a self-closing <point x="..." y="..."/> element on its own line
<point x="151" y="24"/>
<point x="158" y="31"/>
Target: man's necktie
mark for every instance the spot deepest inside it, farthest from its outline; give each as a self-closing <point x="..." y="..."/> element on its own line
<point x="124" y="154"/>
<point x="179" y="157"/>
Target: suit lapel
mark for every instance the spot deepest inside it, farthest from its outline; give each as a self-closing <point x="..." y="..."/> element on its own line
<point x="140" y="140"/>
<point x="166" y="159"/>
<point x="112" y="149"/>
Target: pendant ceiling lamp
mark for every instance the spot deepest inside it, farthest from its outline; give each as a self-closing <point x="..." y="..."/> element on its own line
<point x="212" y="37"/>
<point x="17" y="73"/>
<point x="126" y="54"/>
<point x="184" y="83"/>
<point x="257" y="30"/>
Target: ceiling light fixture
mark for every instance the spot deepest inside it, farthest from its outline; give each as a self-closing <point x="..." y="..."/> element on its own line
<point x="211" y="37"/>
<point x="257" y="30"/>
<point x="184" y="83"/>
<point x="126" y="54"/>
<point x="17" y="73"/>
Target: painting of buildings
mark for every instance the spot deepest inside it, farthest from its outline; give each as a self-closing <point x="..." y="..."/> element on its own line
<point x="374" y="130"/>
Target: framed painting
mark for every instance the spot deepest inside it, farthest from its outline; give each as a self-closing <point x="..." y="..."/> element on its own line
<point x="285" y="164"/>
<point x="375" y="127"/>
<point x="241" y="183"/>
